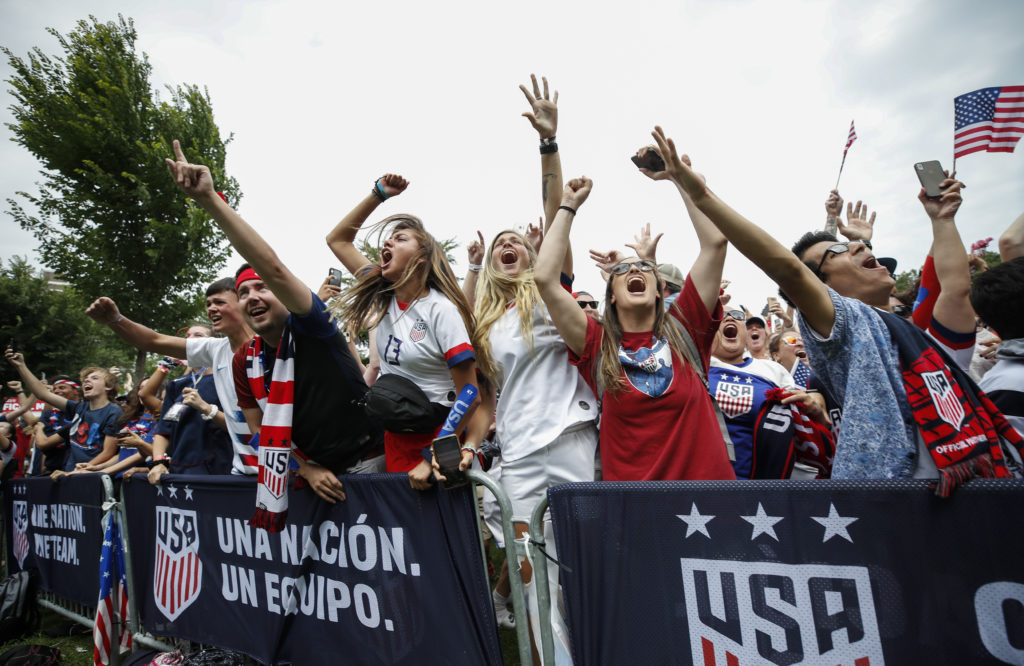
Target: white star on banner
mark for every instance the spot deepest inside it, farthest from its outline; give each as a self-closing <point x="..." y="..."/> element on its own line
<point x="834" y="524"/>
<point x="695" y="522"/>
<point x="188" y="493"/>
<point x="762" y="522"/>
<point x="160" y="491"/>
<point x="173" y="491"/>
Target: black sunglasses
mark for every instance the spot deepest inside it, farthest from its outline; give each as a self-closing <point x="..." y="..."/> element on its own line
<point x="838" y="248"/>
<point x="738" y="315"/>
<point x="584" y="304"/>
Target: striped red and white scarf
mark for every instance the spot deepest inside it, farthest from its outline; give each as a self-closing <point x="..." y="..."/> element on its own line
<point x="277" y="402"/>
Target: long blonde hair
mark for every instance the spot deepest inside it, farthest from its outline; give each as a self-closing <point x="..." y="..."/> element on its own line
<point x="609" y="370"/>
<point x="366" y="303"/>
<point x="494" y="291"/>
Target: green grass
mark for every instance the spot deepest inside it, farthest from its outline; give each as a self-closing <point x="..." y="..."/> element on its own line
<point x="75" y="650"/>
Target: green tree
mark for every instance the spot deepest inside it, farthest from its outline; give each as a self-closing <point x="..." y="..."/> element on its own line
<point x="107" y="215"/>
<point x="50" y="325"/>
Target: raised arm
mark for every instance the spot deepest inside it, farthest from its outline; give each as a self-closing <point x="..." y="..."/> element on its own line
<point x="1011" y="242"/>
<point x="105" y="311"/>
<point x="34" y="386"/>
<point x="566" y="314"/>
<point x="953" y="306"/>
<point x="784" y="268"/>
<point x="706" y="272"/>
<point x="25" y="402"/>
<point x="475" y="253"/>
<point x="195" y="180"/>
<point x="833" y="212"/>
<point x="543" y="115"/>
<point x="342" y="237"/>
<point x="858" y="225"/>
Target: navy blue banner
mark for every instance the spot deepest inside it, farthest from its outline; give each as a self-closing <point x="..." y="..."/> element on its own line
<point x="389" y="576"/>
<point x="819" y="572"/>
<point x="56" y="528"/>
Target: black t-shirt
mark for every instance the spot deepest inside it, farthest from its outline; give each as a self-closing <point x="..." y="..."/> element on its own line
<point x="328" y="423"/>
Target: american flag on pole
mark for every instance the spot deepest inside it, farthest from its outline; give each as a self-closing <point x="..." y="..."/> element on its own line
<point x="989" y="119"/>
<point x="112" y="607"/>
<point x="850" y="138"/>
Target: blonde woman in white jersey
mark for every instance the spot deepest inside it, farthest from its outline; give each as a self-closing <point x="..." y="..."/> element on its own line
<point x="545" y="421"/>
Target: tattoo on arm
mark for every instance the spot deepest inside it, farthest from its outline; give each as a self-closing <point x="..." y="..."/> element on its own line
<point x="548" y="177"/>
<point x="832" y="225"/>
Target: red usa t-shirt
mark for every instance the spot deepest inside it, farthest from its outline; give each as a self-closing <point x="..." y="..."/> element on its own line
<point x="661" y="425"/>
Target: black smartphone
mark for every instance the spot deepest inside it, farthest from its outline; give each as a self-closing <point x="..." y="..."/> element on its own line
<point x="448" y="452"/>
<point x="12" y="345"/>
<point x="651" y="161"/>
<point x="931" y="176"/>
<point x="335" y="277"/>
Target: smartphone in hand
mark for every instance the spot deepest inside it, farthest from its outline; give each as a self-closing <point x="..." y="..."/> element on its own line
<point x="651" y="161"/>
<point x="336" y="275"/>
<point x="931" y="176"/>
<point x="448" y="452"/>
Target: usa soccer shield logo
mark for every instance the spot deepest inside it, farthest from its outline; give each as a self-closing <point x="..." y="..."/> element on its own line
<point x="946" y="403"/>
<point x="734" y="399"/>
<point x="19" y="541"/>
<point x="178" y="571"/>
<point x="419" y="330"/>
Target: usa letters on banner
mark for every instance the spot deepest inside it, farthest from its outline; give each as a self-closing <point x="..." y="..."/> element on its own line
<point x="390" y="575"/>
<point x="825" y="573"/>
<point x="56" y="528"/>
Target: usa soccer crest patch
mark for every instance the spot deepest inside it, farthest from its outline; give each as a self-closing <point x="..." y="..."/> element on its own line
<point x="178" y="571"/>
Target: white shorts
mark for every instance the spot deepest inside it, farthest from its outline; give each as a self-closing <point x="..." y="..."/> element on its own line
<point x="568" y="459"/>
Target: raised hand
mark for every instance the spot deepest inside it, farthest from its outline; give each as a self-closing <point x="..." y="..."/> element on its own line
<point x="15" y="358"/>
<point x="194" y="179"/>
<point x="544" y="110"/>
<point x="605" y="260"/>
<point x="576" y="192"/>
<point x="645" y="246"/>
<point x="678" y="169"/>
<point x="858" y="226"/>
<point x="834" y="204"/>
<point x="14" y="385"/>
<point x="327" y="291"/>
<point x="103" y="311"/>
<point x="475" y="250"/>
<point x="535" y="234"/>
<point x="393" y="184"/>
<point x="945" y="206"/>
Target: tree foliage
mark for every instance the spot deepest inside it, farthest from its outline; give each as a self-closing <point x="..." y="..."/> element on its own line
<point x="50" y="326"/>
<point x="107" y="215"/>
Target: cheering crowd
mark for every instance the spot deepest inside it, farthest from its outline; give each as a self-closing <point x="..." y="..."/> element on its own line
<point x="666" y="382"/>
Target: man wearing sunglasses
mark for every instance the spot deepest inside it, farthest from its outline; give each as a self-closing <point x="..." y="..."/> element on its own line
<point x="909" y="409"/>
<point x="588" y="304"/>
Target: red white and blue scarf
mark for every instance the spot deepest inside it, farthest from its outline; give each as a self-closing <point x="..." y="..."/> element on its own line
<point x="277" y="402"/>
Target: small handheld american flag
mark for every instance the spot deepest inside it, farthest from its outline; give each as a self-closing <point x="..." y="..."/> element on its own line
<point x="850" y="138"/>
<point x="989" y="119"/>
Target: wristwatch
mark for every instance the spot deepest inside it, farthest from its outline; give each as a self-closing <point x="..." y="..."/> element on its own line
<point x="213" y="412"/>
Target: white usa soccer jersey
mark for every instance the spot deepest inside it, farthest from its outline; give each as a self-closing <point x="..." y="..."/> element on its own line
<point x="422" y="342"/>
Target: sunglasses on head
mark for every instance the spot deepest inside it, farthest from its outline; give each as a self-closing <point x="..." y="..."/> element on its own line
<point x="584" y="304"/>
<point x="644" y="265"/>
<point x="837" y="248"/>
<point x="738" y="315"/>
<point x="791" y="340"/>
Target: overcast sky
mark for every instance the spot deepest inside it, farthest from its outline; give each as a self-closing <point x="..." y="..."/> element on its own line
<point x="324" y="97"/>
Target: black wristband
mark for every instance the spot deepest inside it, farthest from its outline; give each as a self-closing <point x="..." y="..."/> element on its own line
<point x="378" y="191"/>
<point x="571" y="210"/>
<point x="166" y="462"/>
<point x="548" y="148"/>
